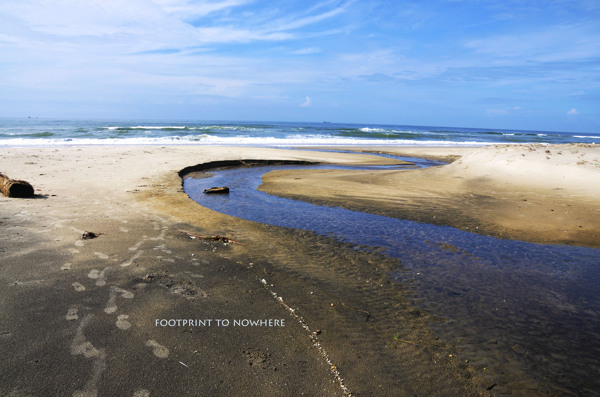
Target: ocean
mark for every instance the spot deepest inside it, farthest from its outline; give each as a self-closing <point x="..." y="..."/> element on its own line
<point x="60" y="132"/>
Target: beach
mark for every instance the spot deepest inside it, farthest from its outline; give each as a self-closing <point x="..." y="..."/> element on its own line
<point x="171" y="298"/>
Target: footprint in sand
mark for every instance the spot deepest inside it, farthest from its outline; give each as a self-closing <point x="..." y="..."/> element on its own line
<point x="98" y="276"/>
<point x="158" y="350"/>
<point x="111" y="305"/>
<point x="136" y="245"/>
<point x="81" y="346"/>
<point x="72" y="314"/>
<point x="101" y="255"/>
<point x="163" y="248"/>
<point x="122" y="322"/>
<point x="130" y="261"/>
<point x="161" y="236"/>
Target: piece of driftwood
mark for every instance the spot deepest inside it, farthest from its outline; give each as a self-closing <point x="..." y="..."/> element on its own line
<point x="217" y="190"/>
<point x="90" y="235"/>
<point x="222" y="239"/>
<point x="15" y="188"/>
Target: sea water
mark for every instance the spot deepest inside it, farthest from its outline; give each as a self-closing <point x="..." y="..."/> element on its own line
<point x="44" y="132"/>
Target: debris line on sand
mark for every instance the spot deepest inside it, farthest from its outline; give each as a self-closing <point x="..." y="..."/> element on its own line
<point x="216" y="237"/>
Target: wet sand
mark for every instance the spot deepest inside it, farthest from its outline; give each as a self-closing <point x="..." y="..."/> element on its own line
<point x="80" y="316"/>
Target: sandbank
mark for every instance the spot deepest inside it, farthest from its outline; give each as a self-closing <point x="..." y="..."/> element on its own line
<point x="536" y="193"/>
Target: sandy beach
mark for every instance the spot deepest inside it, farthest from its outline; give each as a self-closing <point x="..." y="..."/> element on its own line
<point x="140" y="310"/>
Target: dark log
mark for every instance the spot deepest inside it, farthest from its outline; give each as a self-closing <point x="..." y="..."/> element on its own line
<point x="15" y="188"/>
<point x="217" y="190"/>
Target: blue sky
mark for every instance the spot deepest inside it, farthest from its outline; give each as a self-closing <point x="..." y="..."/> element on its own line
<point x="499" y="64"/>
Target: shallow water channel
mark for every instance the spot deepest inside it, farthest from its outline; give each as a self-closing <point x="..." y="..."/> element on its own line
<point x="524" y="308"/>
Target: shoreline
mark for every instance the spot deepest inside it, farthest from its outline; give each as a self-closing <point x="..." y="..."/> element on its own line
<point x="94" y="295"/>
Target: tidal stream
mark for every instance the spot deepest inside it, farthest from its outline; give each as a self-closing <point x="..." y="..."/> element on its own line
<point x="524" y="307"/>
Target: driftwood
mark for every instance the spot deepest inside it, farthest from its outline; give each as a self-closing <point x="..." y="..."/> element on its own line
<point x="90" y="235"/>
<point x="217" y="190"/>
<point x="222" y="239"/>
<point x="15" y="188"/>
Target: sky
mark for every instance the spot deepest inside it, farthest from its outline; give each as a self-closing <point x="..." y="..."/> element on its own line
<point x="465" y="63"/>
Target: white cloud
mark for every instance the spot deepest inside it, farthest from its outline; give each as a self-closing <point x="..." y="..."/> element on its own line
<point x="306" y="103"/>
<point x="552" y="44"/>
<point x="307" y="51"/>
<point x="573" y="112"/>
<point x="141" y="23"/>
<point x="169" y="45"/>
<point x="290" y="24"/>
<point x="189" y="10"/>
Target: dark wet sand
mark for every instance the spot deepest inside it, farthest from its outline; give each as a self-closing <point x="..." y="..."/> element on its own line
<point x="79" y="316"/>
